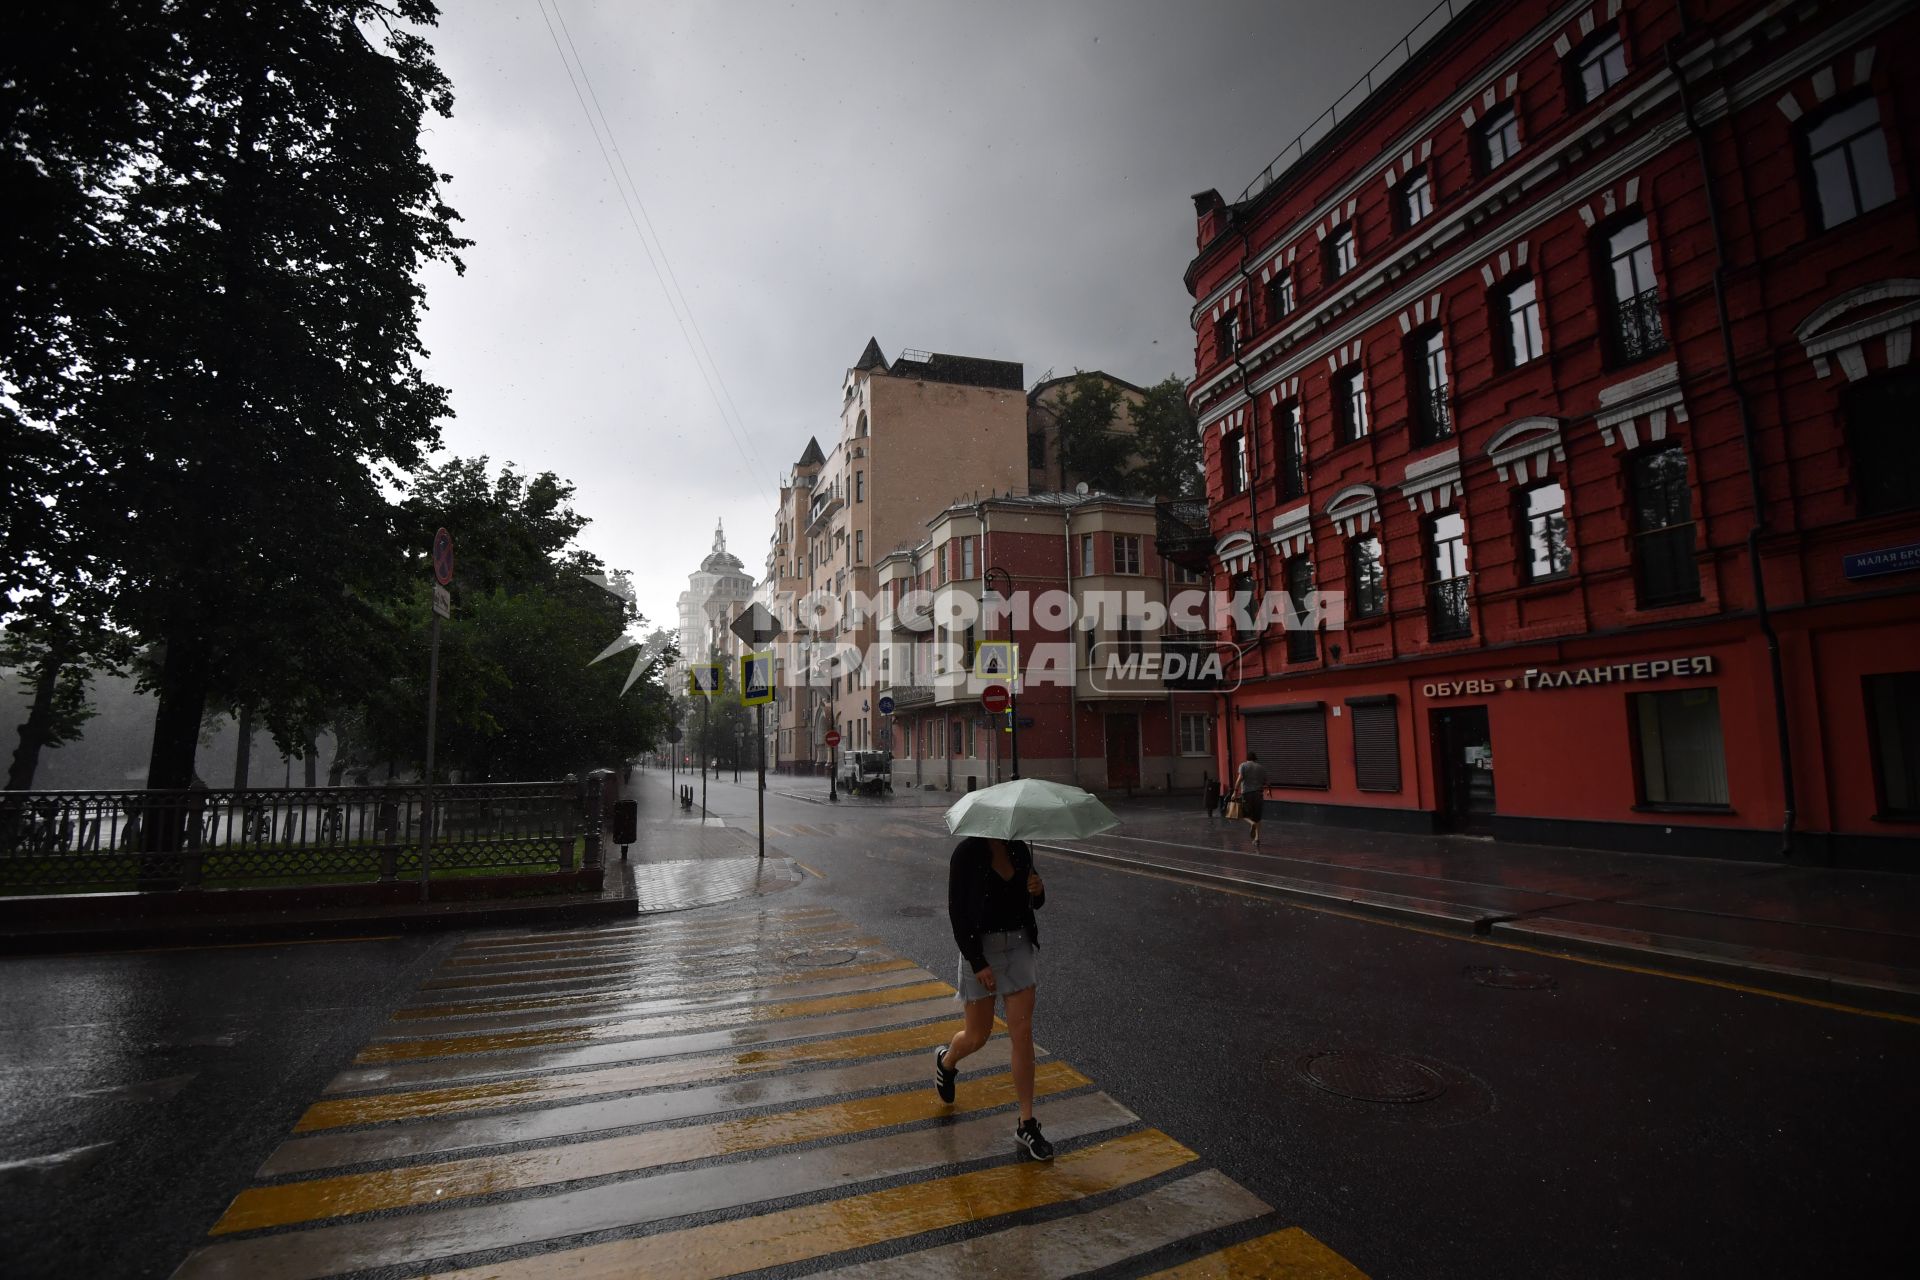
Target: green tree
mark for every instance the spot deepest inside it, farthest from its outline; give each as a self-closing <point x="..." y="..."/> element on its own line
<point x="525" y="693"/>
<point x="1171" y="464"/>
<point x="1093" y="448"/>
<point x="237" y="370"/>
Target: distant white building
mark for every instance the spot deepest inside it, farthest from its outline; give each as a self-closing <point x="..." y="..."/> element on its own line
<point x="715" y="594"/>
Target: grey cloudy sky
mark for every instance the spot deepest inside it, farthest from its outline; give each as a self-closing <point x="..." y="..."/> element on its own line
<point x="1005" y="180"/>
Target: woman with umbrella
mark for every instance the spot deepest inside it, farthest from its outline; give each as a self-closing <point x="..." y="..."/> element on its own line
<point x="992" y="893"/>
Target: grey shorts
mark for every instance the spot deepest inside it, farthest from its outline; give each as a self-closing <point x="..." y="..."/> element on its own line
<point x="1015" y="963"/>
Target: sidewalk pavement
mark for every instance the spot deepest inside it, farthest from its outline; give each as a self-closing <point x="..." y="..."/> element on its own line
<point x="686" y="860"/>
<point x="1847" y="936"/>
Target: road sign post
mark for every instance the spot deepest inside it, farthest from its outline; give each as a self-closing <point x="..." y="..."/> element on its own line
<point x="756" y="691"/>
<point x="757" y="629"/>
<point x="442" y="608"/>
<point x="704" y="680"/>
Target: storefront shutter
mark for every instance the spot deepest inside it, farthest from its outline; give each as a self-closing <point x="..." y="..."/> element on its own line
<point x="1376" y="743"/>
<point x="1292" y="744"/>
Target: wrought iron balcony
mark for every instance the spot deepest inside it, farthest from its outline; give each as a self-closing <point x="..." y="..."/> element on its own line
<point x="1436" y="419"/>
<point x="910" y="695"/>
<point x="1448" y="617"/>
<point x="1183" y="533"/>
<point x="1637" y="328"/>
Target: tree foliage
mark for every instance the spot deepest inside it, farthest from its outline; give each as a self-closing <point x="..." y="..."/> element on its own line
<point x="521" y="695"/>
<point x="1171" y="464"/>
<point x="1092" y="447"/>
<point x="222" y="362"/>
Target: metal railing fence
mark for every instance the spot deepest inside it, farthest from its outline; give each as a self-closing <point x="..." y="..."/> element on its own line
<point x="123" y="840"/>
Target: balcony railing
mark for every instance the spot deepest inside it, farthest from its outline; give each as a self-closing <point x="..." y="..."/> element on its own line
<point x="910" y="695"/>
<point x="1353" y="99"/>
<point x="1637" y="328"/>
<point x="1182" y="533"/>
<point x="1436" y="419"/>
<point x="1448" y="617"/>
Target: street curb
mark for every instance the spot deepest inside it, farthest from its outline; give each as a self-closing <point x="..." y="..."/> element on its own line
<point x="1777" y="979"/>
<point x="217" y="932"/>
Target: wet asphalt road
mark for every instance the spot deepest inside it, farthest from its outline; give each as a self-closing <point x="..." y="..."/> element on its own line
<point x="1618" y="1124"/>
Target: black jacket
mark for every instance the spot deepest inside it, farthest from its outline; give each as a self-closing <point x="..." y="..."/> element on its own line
<point x="967" y="894"/>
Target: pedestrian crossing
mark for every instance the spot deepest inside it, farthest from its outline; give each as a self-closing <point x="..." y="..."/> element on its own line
<point x="730" y="1090"/>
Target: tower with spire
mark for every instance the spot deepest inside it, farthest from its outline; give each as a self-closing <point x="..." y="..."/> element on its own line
<point x="715" y="593"/>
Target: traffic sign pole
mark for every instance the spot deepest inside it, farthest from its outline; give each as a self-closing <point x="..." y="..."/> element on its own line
<point x="426" y="802"/>
<point x="1013" y="710"/>
<point x="760" y="736"/>
<point x="443" y="577"/>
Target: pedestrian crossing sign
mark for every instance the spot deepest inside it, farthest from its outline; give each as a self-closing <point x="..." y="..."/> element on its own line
<point x="704" y="679"/>
<point x="756" y="679"/>
<point x="995" y="660"/>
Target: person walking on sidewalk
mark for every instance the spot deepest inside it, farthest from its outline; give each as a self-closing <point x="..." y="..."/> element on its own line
<point x="1250" y="788"/>
<point x="992" y="893"/>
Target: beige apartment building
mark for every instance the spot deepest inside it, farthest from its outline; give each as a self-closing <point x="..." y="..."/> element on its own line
<point x="790" y="732"/>
<point x="916" y="434"/>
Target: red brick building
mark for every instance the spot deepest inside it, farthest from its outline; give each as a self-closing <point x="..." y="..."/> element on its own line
<point x="1577" y="353"/>
<point x="1085" y="715"/>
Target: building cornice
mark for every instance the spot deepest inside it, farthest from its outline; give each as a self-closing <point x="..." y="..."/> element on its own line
<point x="1656" y="90"/>
<point x="1407" y="139"/>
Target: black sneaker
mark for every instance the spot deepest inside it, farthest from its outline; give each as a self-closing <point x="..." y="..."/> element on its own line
<point x="1028" y="1136"/>
<point x="943" y="1076"/>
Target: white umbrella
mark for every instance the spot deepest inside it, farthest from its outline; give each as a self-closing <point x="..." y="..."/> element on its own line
<point x="1029" y="809"/>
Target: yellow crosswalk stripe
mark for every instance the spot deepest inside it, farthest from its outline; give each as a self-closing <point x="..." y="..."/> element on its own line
<point x="423" y="1073"/>
<point x="615" y="1084"/>
<point x="618" y="988"/>
<point x="1291" y="1254"/>
<point x="425" y="1138"/>
<point x="537" y="976"/>
<point x="638" y="947"/>
<point x="487" y="1095"/>
<point x="651" y="926"/>
<point x="515" y="1171"/>
<point x="632" y="1004"/>
<point x="811" y="1231"/>
<point x="663" y="1024"/>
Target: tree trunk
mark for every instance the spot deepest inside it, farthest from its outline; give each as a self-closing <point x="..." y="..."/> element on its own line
<point x="176" y="737"/>
<point x="243" y="753"/>
<point x="33" y="731"/>
<point x="312" y="758"/>
<point x="176" y="725"/>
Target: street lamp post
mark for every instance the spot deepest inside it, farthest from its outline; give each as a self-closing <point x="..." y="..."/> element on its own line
<point x="1013" y="677"/>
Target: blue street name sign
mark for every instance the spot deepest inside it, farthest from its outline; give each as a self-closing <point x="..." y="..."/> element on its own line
<point x="1874" y="564"/>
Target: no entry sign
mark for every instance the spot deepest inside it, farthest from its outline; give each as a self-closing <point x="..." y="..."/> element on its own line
<point x="833" y="737"/>
<point x="994" y="698"/>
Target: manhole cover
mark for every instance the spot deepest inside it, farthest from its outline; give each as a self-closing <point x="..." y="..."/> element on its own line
<point x="820" y="958"/>
<point x="1511" y="979"/>
<point x="916" y="913"/>
<point x="1372" y="1077"/>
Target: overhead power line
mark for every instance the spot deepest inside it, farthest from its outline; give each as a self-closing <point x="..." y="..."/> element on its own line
<point x="653" y="247"/>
